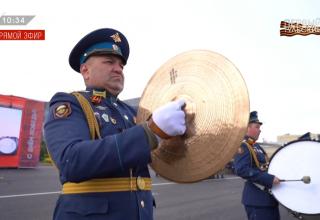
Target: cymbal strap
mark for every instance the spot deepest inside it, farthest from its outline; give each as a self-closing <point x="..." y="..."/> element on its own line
<point x="155" y="129"/>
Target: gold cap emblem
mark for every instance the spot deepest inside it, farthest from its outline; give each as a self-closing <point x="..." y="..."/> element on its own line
<point x="116" y="37"/>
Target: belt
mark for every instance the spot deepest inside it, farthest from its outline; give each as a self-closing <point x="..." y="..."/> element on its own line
<point x="108" y="185"/>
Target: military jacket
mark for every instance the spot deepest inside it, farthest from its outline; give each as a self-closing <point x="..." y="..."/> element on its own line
<point x="258" y="181"/>
<point x="123" y="151"/>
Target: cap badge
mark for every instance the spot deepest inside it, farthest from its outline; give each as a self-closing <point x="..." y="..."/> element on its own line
<point x="115" y="47"/>
<point x="116" y="37"/>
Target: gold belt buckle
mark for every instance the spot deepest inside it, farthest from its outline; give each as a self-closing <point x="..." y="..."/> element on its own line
<point x="141" y="184"/>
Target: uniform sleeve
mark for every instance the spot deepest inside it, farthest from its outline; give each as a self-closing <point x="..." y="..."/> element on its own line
<point x="246" y="168"/>
<point x="79" y="158"/>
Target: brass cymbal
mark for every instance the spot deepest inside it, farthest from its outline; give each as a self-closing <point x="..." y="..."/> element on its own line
<point x="217" y="112"/>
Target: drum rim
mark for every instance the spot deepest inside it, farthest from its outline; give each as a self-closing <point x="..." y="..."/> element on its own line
<point x="280" y="148"/>
<point x="291" y="142"/>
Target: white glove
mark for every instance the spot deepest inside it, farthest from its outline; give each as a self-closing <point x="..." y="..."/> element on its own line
<point x="170" y="118"/>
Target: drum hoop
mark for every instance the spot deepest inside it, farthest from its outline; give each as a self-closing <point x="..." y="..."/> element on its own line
<point x="280" y="148"/>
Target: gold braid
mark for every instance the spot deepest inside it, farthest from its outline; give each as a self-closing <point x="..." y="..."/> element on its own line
<point x="254" y="156"/>
<point x="91" y="119"/>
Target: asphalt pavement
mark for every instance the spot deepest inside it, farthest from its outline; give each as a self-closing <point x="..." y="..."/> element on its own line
<point x="30" y="194"/>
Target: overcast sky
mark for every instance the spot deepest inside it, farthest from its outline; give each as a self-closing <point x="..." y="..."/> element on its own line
<point x="281" y="73"/>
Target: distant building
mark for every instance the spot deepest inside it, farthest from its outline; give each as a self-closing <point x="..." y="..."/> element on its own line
<point x="286" y="138"/>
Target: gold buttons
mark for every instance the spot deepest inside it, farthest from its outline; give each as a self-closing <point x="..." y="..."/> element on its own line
<point x="114" y="121"/>
<point x="141" y="184"/>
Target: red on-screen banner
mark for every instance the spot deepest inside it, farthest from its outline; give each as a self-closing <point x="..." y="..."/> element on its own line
<point x="31" y="135"/>
<point x="22" y="34"/>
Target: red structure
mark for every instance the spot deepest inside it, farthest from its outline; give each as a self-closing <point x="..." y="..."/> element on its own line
<point x="21" y="123"/>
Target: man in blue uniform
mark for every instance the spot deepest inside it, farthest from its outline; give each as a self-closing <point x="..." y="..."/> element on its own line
<point x="250" y="163"/>
<point x="101" y="153"/>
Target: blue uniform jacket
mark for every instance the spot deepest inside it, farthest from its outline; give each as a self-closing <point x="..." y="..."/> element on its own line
<point x="246" y="168"/>
<point x="124" y="146"/>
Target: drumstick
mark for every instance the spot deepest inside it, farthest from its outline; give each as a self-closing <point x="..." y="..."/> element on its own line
<point x="305" y="179"/>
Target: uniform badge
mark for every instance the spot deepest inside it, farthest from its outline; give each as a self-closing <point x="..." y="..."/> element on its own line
<point x="114" y="121"/>
<point x="102" y="108"/>
<point x="99" y="93"/>
<point x="240" y="150"/>
<point x="105" y="117"/>
<point x="62" y="110"/>
<point x="96" y="99"/>
<point x="97" y="115"/>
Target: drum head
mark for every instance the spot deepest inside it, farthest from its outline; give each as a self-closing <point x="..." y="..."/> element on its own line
<point x="294" y="161"/>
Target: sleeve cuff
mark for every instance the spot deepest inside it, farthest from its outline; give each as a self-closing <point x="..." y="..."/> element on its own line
<point x="152" y="138"/>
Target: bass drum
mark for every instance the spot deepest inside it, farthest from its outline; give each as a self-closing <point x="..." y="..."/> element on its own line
<point x="294" y="161"/>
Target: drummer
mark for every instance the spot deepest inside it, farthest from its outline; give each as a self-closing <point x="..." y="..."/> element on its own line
<point x="251" y="163"/>
<point x="92" y="136"/>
